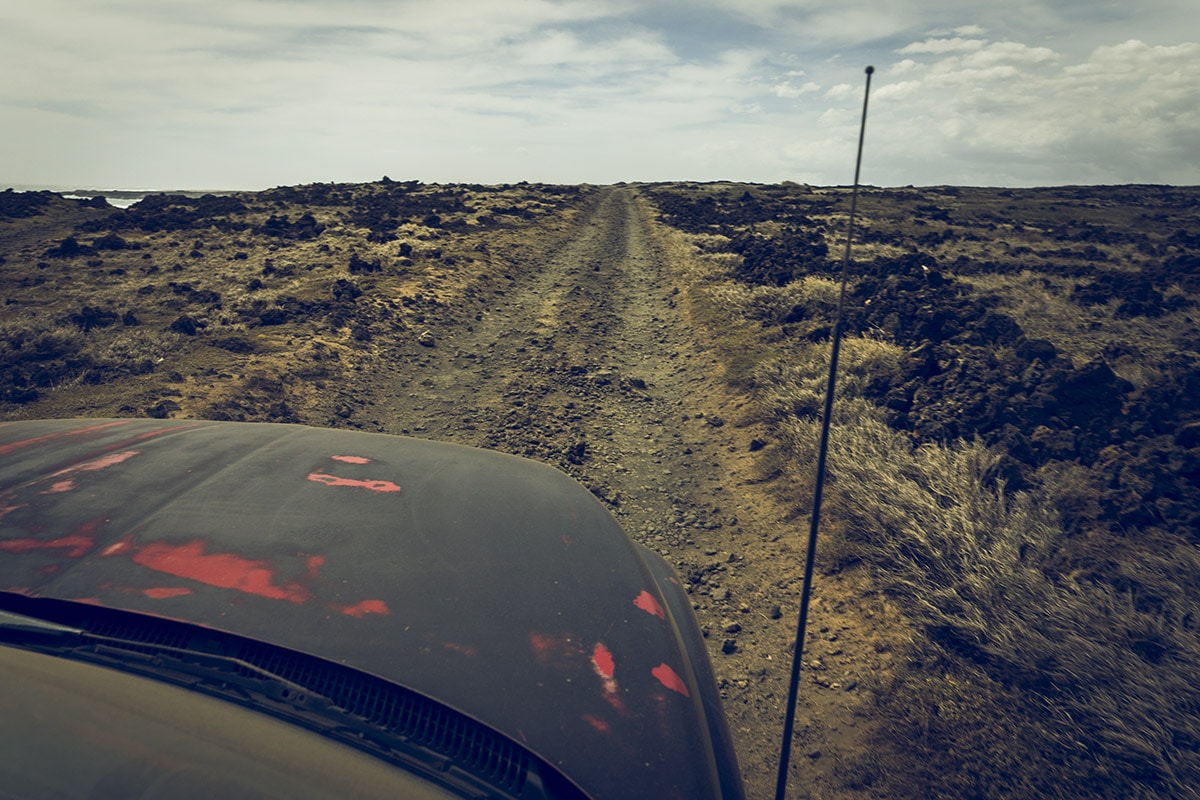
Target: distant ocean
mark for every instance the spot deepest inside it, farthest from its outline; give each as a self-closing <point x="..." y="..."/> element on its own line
<point x="121" y="198"/>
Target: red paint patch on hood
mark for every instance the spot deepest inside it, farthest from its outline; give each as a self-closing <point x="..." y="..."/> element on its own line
<point x="351" y="459"/>
<point x="602" y="660"/>
<point x="597" y="723"/>
<point x="668" y="678"/>
<point x="560" y="652"/>
<point x="334" y="480"/>
<point x="314" y="565"/>
<point x="163" y="592"/>
<point x="6" y="510"/>
<point x="75" y="544"/>
<point x="118" y="547"/>
<point x="8" y="448"/>
<point x="104" y="462"/>
<point x="224" y="570"/>
<point x="647" y="602"/>
<point x="364" y="607"/>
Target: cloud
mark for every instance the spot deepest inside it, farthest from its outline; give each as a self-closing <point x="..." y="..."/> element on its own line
<point x="955" y="45"/>
<point x="257" y="92"/>
<point x="790" y="91"/>
<point x="1122" y="114"/>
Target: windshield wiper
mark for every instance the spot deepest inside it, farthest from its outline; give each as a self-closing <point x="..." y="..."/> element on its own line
<point x="394" y="723"/>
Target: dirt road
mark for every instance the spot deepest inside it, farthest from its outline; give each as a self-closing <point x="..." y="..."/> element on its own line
<point x="585" y="356"/>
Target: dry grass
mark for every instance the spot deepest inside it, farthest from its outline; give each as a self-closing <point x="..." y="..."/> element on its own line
<point x="1053" y="664"/>
<point x="1028" y="684"/>
<point x="1042" y="305"/>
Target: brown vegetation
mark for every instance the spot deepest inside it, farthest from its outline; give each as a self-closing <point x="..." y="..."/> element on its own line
<point x="1015" y="459"/>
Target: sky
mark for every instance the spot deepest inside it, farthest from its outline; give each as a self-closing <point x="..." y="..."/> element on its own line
<point x="250" y="94"/>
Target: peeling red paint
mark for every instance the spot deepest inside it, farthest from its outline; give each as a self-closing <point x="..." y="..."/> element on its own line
<point x="96" y="464"/>
<point x="364" y="607"/>
<point x="141" y="437"/>
<point x="602" y="660"/>
<point x="668" y="678"/>
<point x="597" y="723"/>
<point x="226" y="570"/>
<point x="554" y="651"/>
<point x="14" y="446"/>
<point x="118" y="547"/>
<point x="352" y="459"/>
<point x="60" y="487"/>
<point x="465" y="649"/>
<point x="334" y="480"/>
<point x="163" y="592"/>
<point x="6" y="510"/>
<point x="314" y="565"/>
<point x="646" y="602"/>
<point x="540" y="644"/>
<point x="90" y="527"/>
<point x="75" y="544"/>
<point x="606" y="667"/>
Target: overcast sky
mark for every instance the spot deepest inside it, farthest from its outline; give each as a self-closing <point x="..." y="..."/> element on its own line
<point x="248" y="94"/>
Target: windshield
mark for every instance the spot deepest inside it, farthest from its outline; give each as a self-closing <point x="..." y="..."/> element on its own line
<point x="75" y="730"/>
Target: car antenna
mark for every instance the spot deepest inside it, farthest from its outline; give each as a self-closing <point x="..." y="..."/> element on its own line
<point x="806" y="590"/>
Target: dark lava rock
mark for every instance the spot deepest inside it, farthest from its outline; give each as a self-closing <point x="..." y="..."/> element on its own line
<point x="162" y="409"/>
<point x="19" y="205"/>
<point x="69" y="248"/>
<point x="185" y="325"/>
<point x="273" y="316"/>
<point x="90" y="317"/>
<point x="346" y="290"/>
<point x="234" y="344"/>
<point x="359" y="265"/>
<point x="110" y="241"/>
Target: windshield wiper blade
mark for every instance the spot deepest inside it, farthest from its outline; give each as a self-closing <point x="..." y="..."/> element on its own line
<point x="23" y="624"/>
<point x="336" y="700"/>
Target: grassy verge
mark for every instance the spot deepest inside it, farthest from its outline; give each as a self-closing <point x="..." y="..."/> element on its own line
<point x="1018" y="482"/>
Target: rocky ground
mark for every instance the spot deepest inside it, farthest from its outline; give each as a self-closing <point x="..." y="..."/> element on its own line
<point x="627" y="335"/>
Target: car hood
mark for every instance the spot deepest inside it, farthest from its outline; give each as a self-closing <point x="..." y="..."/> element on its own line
<point x="491" y="583"/>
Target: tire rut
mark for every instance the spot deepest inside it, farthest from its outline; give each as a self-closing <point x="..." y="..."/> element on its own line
<point x="578" y="363"/>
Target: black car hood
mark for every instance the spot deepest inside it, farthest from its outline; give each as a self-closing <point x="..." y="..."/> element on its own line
<point x="494" y="584"/>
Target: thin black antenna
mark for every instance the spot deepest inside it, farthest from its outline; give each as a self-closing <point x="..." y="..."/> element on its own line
<point x="802" y="624"/>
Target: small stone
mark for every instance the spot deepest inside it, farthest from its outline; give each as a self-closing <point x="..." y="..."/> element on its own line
<point x="776" y="612"/>
<point x="426" y="338"/>
<point x="732" y="627"/>
<point x="729" y="646"/>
